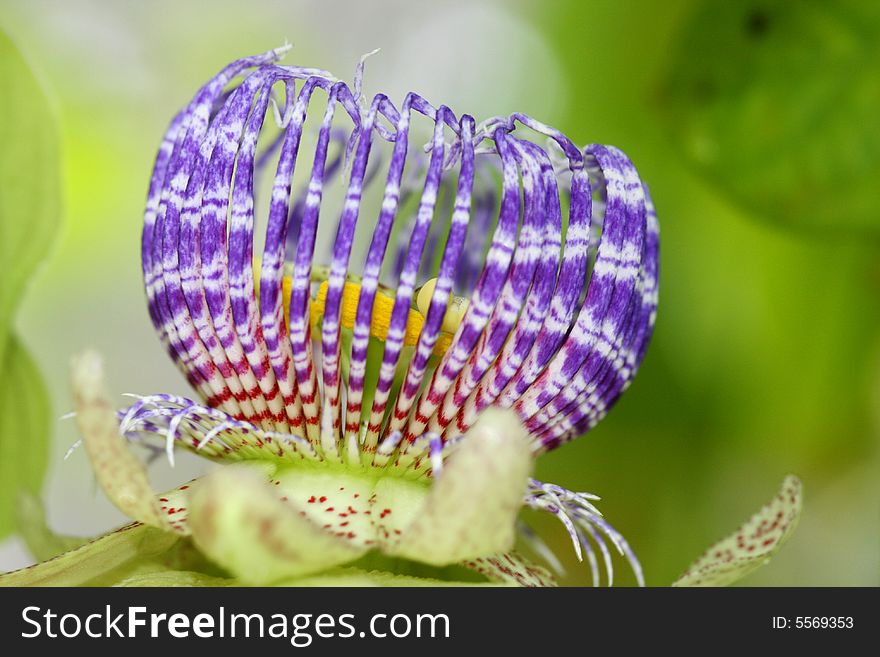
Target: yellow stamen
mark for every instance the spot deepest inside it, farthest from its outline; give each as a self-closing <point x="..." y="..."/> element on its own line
<point x="454" y="311"/>
<point x="382" y="307"/>
<point x="381" y="319"/>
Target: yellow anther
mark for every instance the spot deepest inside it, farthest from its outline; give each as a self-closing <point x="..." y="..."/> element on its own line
<point x="454" y="311"/>
<point x="382" y="307"/>
<point x="381" y="319"/>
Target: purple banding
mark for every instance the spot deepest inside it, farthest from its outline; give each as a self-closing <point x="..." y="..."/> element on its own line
<point x="560" y="308"/>
<point x="407" y="280"/>
<point x="542" y="203"/>
<point x="486" y="294"/>
<point x="532" y="268"/>
<point x="607" y="313"/>
<point x="345" y="233"/>
<point x="485" y="207"/>
<point x="180" y="145"/>
<point x="439" y="299"/>
<point x="409" y="187"/>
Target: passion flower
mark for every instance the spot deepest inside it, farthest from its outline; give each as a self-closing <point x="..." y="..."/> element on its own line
<point x="381" y="387"/>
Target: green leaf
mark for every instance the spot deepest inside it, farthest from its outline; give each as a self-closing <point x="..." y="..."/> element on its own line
<point x="162" y="577"/>
<point x="24" y="430"/>
<point x="30" y="200"/>
<point x="752" y="545"/>
<point x="95" y="559"/>
<point x="777" y="102"/>
<point x="29" y="213"/>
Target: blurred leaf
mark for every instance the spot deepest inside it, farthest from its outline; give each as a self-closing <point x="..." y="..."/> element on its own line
<point x="24" y="429"/>
<point x="29" y="178"/>
<point x="777" y="102"/>
<point x="29" y="215"/>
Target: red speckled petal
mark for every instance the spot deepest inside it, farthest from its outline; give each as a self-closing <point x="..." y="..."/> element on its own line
<point x="511" y="568"/>
<point x="239" y="522"/>
<point x="752" y="545"/>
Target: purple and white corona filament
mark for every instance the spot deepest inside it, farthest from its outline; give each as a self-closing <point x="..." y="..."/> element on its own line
<point x="337" y="290"/>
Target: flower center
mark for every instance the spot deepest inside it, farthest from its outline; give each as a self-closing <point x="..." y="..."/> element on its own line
<point x="367" y="508"/>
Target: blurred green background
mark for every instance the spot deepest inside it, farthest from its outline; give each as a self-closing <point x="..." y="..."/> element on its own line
<point x="755" y="124"/>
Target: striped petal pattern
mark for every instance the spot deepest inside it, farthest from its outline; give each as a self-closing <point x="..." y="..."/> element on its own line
<point x="349" y="282"/>
<point x="538" y="261"/>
